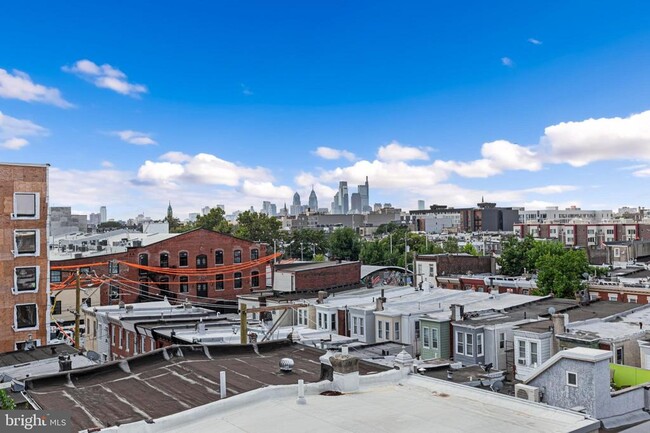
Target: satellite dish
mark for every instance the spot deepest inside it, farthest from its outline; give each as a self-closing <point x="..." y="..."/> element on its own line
<point x="497" y="386"/>
<point x="551" y="310"/>
<point x="93" y="356"/>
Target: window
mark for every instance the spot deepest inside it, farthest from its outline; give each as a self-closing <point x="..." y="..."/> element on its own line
<point x="120" y="337"/>
<point x="255" y="279"/>
<point x="434" y="338"/>
<point x="144" y="289"/>
<point x="55" y="276"/>
<point x="521" y="353"/>
<point x="201" y="261"/>
<point x="113" y="267"/>
<point x="432" y="270"/>
<point x="302" y="317"/>
<point x="355" y="325"/>
<point x="57" y="307"/>
<point x="425" y="338"/>
<point x="26" y="316"/>
<point x="219" y="283"/>
<point x="632" y="299"/>
<point x="202" y="290"/>
<point x="502" y="340"/>
<point x="26" y="279"/>
<point x="333" y="322"/>
<point x="320" y="321"/>
<point x="113" y="335"/>
<point x="460" y="343"/>
<point x="143" y="260"/>
<point x="26" y="242"/>
<point x="396" y="331"/>
<point x="387" y="330"/>
<point x="255" y="254"/>
<point x="571" y="378"/>
<point x="612" y="296"/>
<point x="26" y="205"/>
<point x="237" y="256"/>
<point x="163" y="284"/>
<point x="184" y="286"/>
<point x="164" y="260"/>
<point x="619" y="355"/>
<point x="182" y="259"/>
<point x="238" y="280"/>
<point x="142" y="344"/>
<point x="469" y="344"/>
<point x="128" y="340"/>
<point x="362" y="331"/>
<point x="533" y="354"/>
<point x="114" y="292"/>
<point x="218" y="257"/>
<point x="380" y="329"/>
<point x="479" y="345"/>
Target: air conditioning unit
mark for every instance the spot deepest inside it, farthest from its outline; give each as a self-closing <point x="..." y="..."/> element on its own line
<point x="527" y="392"/>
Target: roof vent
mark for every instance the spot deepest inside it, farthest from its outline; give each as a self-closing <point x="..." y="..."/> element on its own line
<point x="286" y="365"/>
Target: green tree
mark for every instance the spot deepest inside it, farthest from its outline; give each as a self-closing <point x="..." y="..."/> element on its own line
<point x="311" y="242"/>
<point x="6" y="402"/>
<point x="470" y="249"/>
<point x="345" y="244"/>
<point x="516" y="255"/>
<point x="214" y="220"/>
<point x="257" y="226"/>
<point x="451" y="245"/>
<point x="561" y="274"/>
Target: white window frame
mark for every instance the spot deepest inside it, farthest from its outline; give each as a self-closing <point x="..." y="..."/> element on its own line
<point x="112" y="331"/>
<point x="15" y="290"/>
<point x="362" y="329"/>
<point x="479" y="338"/>
<point x="355" y="325"/>
<point x="387" y="329"/>
<point x="426" y="338"/>
<point x="502" y="340"/>
<point x="396" y="331"/>
<point x="142" y="340"/>
<point x="380" y="329"/>
<point x="434" y="332"/>
<point x="632" y="299"/>
<point x="533" y="362"/>
<point x="37" y="253"/>
<point x="568" y="374"/>
<point x="469" y="346"/>
<point x="460" y="342"/>
<point x="521" y="359"/>
<point x="120" y="338"/>
<point x="37" y="206"/>
<point x="612" y="295"/>
<point x="128" y="340"/>
<point x="31" y="328"/>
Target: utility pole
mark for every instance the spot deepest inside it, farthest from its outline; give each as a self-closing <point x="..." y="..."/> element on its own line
<point x="243" y="325"/>
<point x="77" y="313"/>
<point x="302" y="259"/>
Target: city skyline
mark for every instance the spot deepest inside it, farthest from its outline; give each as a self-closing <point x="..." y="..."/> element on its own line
<point x="444" y="107"/>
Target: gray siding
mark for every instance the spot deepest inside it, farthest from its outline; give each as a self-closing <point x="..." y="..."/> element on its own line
<point x="466" y="359"/>
<point x="442" y="351"/>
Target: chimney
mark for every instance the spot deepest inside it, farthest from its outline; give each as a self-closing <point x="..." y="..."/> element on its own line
<point x="404" y="362"/>
<point x="322" y="294"/>
<point x="326" y="370"/>
<point x="200" y="327"/>
<point x="379" y="302"/>
<point x="65" y="363"/>
<point x="346" y="373"/>
<point x="559" y="327"/>
<point x="457" y="312"/>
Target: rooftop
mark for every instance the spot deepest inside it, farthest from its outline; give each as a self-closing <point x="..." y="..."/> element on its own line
<point x="306" y="266"/>
<point x="598" y="329"/>
<point x="410" y="406"/>
<point x="171" y="380"/>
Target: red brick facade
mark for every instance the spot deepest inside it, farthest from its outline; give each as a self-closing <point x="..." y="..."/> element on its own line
<point x="330" y="277"/>
<point x="202" y="248"/>
<point x="23" y="256"/>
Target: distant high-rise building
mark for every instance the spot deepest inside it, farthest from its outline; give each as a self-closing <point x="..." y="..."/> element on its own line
<point x="313" y="200"/>
<point x="193" y="216"/>
<point x="296" y="199"/>
<point x="336" y="208"/>
<point x="355" y="202"/>
<point x="296" y="207"/>
<point x="344" y="201"/>
<point x="102" y="214"/>
<point x="273" y="210"/>
<point x="364" y="192"/>
<point x="222" y="207"/>
<point x="420" y="204"/>
<point x="377" y="207"/>
<point x="94" y="219"/>
<point x="205" y="210"/>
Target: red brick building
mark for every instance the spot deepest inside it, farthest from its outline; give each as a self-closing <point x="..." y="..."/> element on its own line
<point x="24" y="261"/>
<point x="201" y="266"/>
<point x="315" y="276"/>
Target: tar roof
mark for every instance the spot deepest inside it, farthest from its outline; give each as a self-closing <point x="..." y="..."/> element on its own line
<point x="36" y="354"/>
<point x="170" y="380"/>
<point x="306" y="266"/>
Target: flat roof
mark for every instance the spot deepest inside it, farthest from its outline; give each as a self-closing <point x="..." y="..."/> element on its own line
<point x="414" y="405"/>
<point x="307" y="266"/>
<point x="170" y="380"/>
<point x="38" y="353"/>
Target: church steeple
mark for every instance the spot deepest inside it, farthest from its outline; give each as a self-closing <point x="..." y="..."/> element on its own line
<point x="170" y="213"/>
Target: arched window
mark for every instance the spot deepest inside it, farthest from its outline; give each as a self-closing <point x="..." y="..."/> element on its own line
<point x="164" y="260"/>
<point x="237" y="256"/>
<point x="255" y="279"/>
<point x="184" y="286"/>
<point x="182" y="259"/>
<point x="255" y="254"/>
<point x="238" y="280"/>
<point x="201" y="261"/>
<point x="143" y="260"/>
<point x="219" y="283"/>
<point x="218" y="257"/>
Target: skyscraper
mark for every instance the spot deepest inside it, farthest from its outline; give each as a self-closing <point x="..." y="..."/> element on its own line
<point x="296" y="199"/>
<point x="344" y="201"/>
<point x="364" y="192"/>
<point x="420" y="204"/>
<point x="102" y="214"/>
<point x="296" y="207"/>
<point x="313" y="200"/>
<point x="355" y="202"/>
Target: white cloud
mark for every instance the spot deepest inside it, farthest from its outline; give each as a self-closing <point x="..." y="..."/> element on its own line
<point x="105" y="76"/>
<point x="13" y="131"/>
<point x="202" y="168"/>
<point x="265" y="190"/>
<point x="642" y="173"/>
<point x="535" y="41"/>
<point x="107" y="164"/>
<point x="246" y="90"/>
<point x="498" y="156"/>
<point x="20" y="86"/>
<point x="395" y="151"/>
<point x="580" y="143"/>
<point x="135" y="137"/>
<point x="507" y="61"/>
<point x="330" y="153"/>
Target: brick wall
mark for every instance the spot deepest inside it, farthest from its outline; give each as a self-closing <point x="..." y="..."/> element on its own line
<point x="30" y="179"/>
<point x="451" y="264"/>
<point x="195" y="243"/>
<point x="338" y="275"/>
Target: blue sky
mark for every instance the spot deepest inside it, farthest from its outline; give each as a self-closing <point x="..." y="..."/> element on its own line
<point x="202" y="103"/>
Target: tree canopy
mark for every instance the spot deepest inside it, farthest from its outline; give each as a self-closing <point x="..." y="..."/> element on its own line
<point x="214" y="220"/>
<point x="345" y="244"/>
<point x="257" y="226"/>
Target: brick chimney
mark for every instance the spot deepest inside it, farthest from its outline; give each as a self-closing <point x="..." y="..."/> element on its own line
<point x="346" y="372"/>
